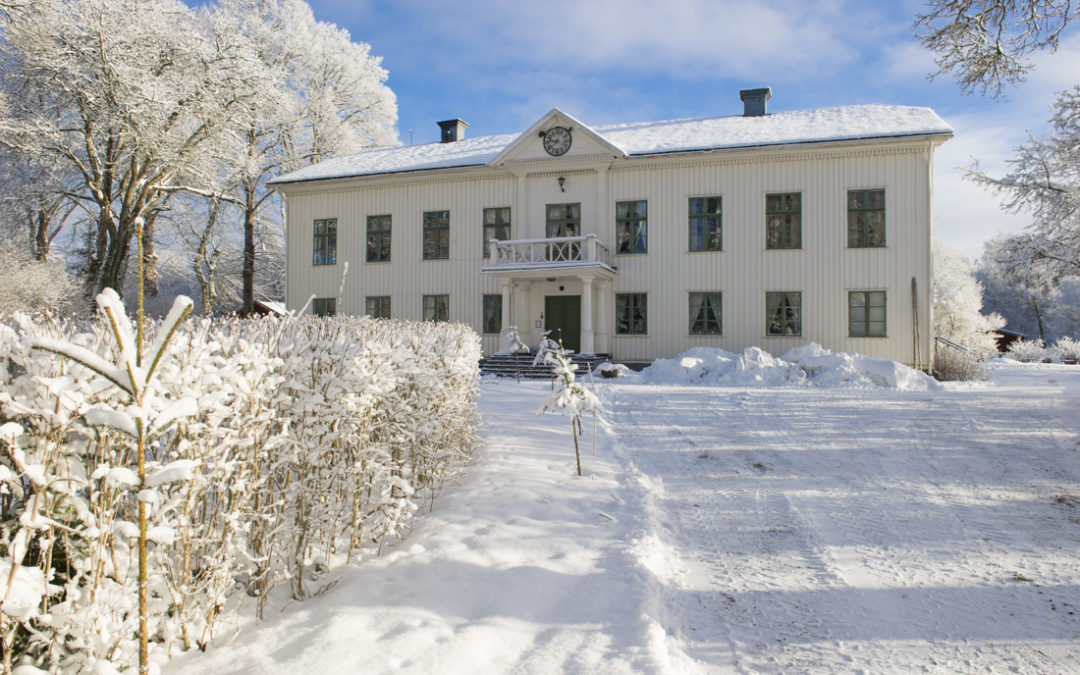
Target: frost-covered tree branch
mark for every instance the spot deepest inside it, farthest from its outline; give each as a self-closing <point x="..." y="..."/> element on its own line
<point x="983" y="43"/>
<point x="1044" y="180"/>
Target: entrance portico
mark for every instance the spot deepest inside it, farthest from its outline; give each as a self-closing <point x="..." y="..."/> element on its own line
<point x="535" y="273"/>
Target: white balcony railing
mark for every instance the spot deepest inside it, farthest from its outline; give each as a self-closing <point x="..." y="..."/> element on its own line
<point x="549" y="252"/>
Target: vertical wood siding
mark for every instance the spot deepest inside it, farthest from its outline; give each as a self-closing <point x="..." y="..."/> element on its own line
<point x="824" y="270"/>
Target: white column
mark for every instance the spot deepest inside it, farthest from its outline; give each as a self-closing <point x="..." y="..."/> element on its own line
<point x="588" y="342"/>
<point x="604" y="318"/>
<point x="504" y="286"/>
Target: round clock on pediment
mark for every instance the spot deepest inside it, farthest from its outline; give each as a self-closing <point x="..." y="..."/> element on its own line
<point x="557" y="141"/>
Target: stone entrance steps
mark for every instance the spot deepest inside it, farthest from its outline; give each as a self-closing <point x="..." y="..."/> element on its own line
<point x="511" y="365"/>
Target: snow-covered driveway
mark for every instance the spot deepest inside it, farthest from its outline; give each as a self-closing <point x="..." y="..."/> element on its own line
<point x="772" y="530"/>
<point x="883" y="531"/>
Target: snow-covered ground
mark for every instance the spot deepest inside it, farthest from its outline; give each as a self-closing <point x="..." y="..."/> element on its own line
<point x="726" y="529"/>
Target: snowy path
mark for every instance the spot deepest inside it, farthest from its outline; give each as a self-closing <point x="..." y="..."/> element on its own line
<point x="523" y="567"/>
<point x="727" y="530"/>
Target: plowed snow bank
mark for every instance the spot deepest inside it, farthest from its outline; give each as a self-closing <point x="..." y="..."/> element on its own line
<point x="810" y="365"/>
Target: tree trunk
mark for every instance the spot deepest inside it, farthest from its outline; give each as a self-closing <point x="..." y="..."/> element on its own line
<point x="149" y="258"/>
<point x="41" y="235"/>
<point x="250" y="208"/>
<point x="577" y="450"/>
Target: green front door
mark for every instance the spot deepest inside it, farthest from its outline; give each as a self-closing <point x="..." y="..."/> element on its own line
<point x="562" y="316"/>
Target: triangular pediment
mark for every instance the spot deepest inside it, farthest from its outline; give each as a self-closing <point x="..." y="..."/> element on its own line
<point x="583" y="141"/>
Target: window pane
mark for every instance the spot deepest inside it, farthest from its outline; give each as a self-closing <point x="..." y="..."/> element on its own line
<point x="783" y="313"/>
<point x="324" y="242"/>
<point x="783" y="220"/>
<point x="492" y="314"/>
<point x="705" y="313"/>
<point x="631" y="314"/>
<point x="866" y="218"/>
<point x="631" y="227"/>
<point x="705" y="224"/>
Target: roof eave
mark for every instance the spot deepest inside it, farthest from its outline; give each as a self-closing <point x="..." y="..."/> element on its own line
<point x="943" y="135"/>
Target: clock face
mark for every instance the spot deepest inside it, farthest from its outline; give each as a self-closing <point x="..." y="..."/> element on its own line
<point x="557" y="141"/>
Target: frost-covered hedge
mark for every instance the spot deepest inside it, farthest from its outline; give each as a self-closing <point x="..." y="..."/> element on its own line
<point x="313" y="439"/>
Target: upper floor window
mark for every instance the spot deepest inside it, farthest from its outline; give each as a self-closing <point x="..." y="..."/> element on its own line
<point x="631" y="226"/>
<point x="706" y="231"/>
<point x="631" y="314"/>
<point x="866" y="218"/>
<point x="706" y="310"/>
<point x="563" y="220"/>
<point x="496" y="225"/>
<point x="492" y="314"/>
<point x="378" y="239"/>
<point x="783" y="220"/>
<point x="866" y="314"/>
<point x="436" y="308"/>
<point x="324" y="242"/>
<point x="436" y="235"/>
<point x="783" y="313"/>
<point x="324" y="306"/>
<point x="377" y="306"/>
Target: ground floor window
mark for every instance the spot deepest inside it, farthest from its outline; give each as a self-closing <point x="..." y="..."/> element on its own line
<point x="436" y="308"/>
<point x="631" y="314"/>
<point x="783" y="313"/>
<point x="705" y="314"/>
<point x="866" y="314"/>
<point x="324" y="306"/>
<point x="492" y="313"/>
<point x="377" y="306"/>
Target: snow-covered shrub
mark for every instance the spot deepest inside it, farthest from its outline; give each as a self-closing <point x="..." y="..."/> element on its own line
<point x="514" y="343"/>
<point x="952" y="364"/>
<point x="27" y="285"/>
<point x="1027" y="351"/>
<point x="312" y="439"/>
<point x="958" y="317"/>
<point x="1066" y="350"/>
<point x="608" y="369"/>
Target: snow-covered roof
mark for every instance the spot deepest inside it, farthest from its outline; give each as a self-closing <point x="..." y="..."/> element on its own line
<point x="648" y="138"/>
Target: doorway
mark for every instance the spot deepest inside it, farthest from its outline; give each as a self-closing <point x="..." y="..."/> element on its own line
<point x="562" y="316"/>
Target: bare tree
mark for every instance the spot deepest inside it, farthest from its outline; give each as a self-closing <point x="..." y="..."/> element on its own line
<point x="1044" y="180"/>
<point x="983" y="43"/>
<point x="321" y="94"/>
<point x="132" y="97"/>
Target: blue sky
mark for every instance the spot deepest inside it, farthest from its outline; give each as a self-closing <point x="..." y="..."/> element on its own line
<point x="501" y="64"/>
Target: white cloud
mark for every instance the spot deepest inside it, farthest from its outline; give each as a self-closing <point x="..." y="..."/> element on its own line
<point x="965" y="214"/>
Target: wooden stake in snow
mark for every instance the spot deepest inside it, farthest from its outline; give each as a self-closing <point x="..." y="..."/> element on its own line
<point x="569" y="395"/>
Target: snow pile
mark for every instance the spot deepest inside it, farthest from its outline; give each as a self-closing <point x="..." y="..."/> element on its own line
<point x="808" y="365"/>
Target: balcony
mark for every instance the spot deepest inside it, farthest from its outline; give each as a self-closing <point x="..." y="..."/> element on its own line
<point x="552" y="253"/>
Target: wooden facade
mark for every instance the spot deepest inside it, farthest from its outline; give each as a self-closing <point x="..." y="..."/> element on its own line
<point x="824" y="270"/>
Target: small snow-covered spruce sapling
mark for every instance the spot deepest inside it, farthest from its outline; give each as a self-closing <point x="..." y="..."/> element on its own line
<point x="546" y="347"/>
<point x="147" y="414"/>
<point x="569" y="396"/>
<point x="517" y="346"/>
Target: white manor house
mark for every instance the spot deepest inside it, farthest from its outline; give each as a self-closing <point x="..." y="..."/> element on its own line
<point x="638" y="240"/>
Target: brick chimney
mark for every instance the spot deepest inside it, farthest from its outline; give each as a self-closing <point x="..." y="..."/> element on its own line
<point x="754" y="101"/>
<point x="452" y="130"/>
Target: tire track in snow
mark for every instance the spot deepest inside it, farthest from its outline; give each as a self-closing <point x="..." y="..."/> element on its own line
<point x="829" y="531"/>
